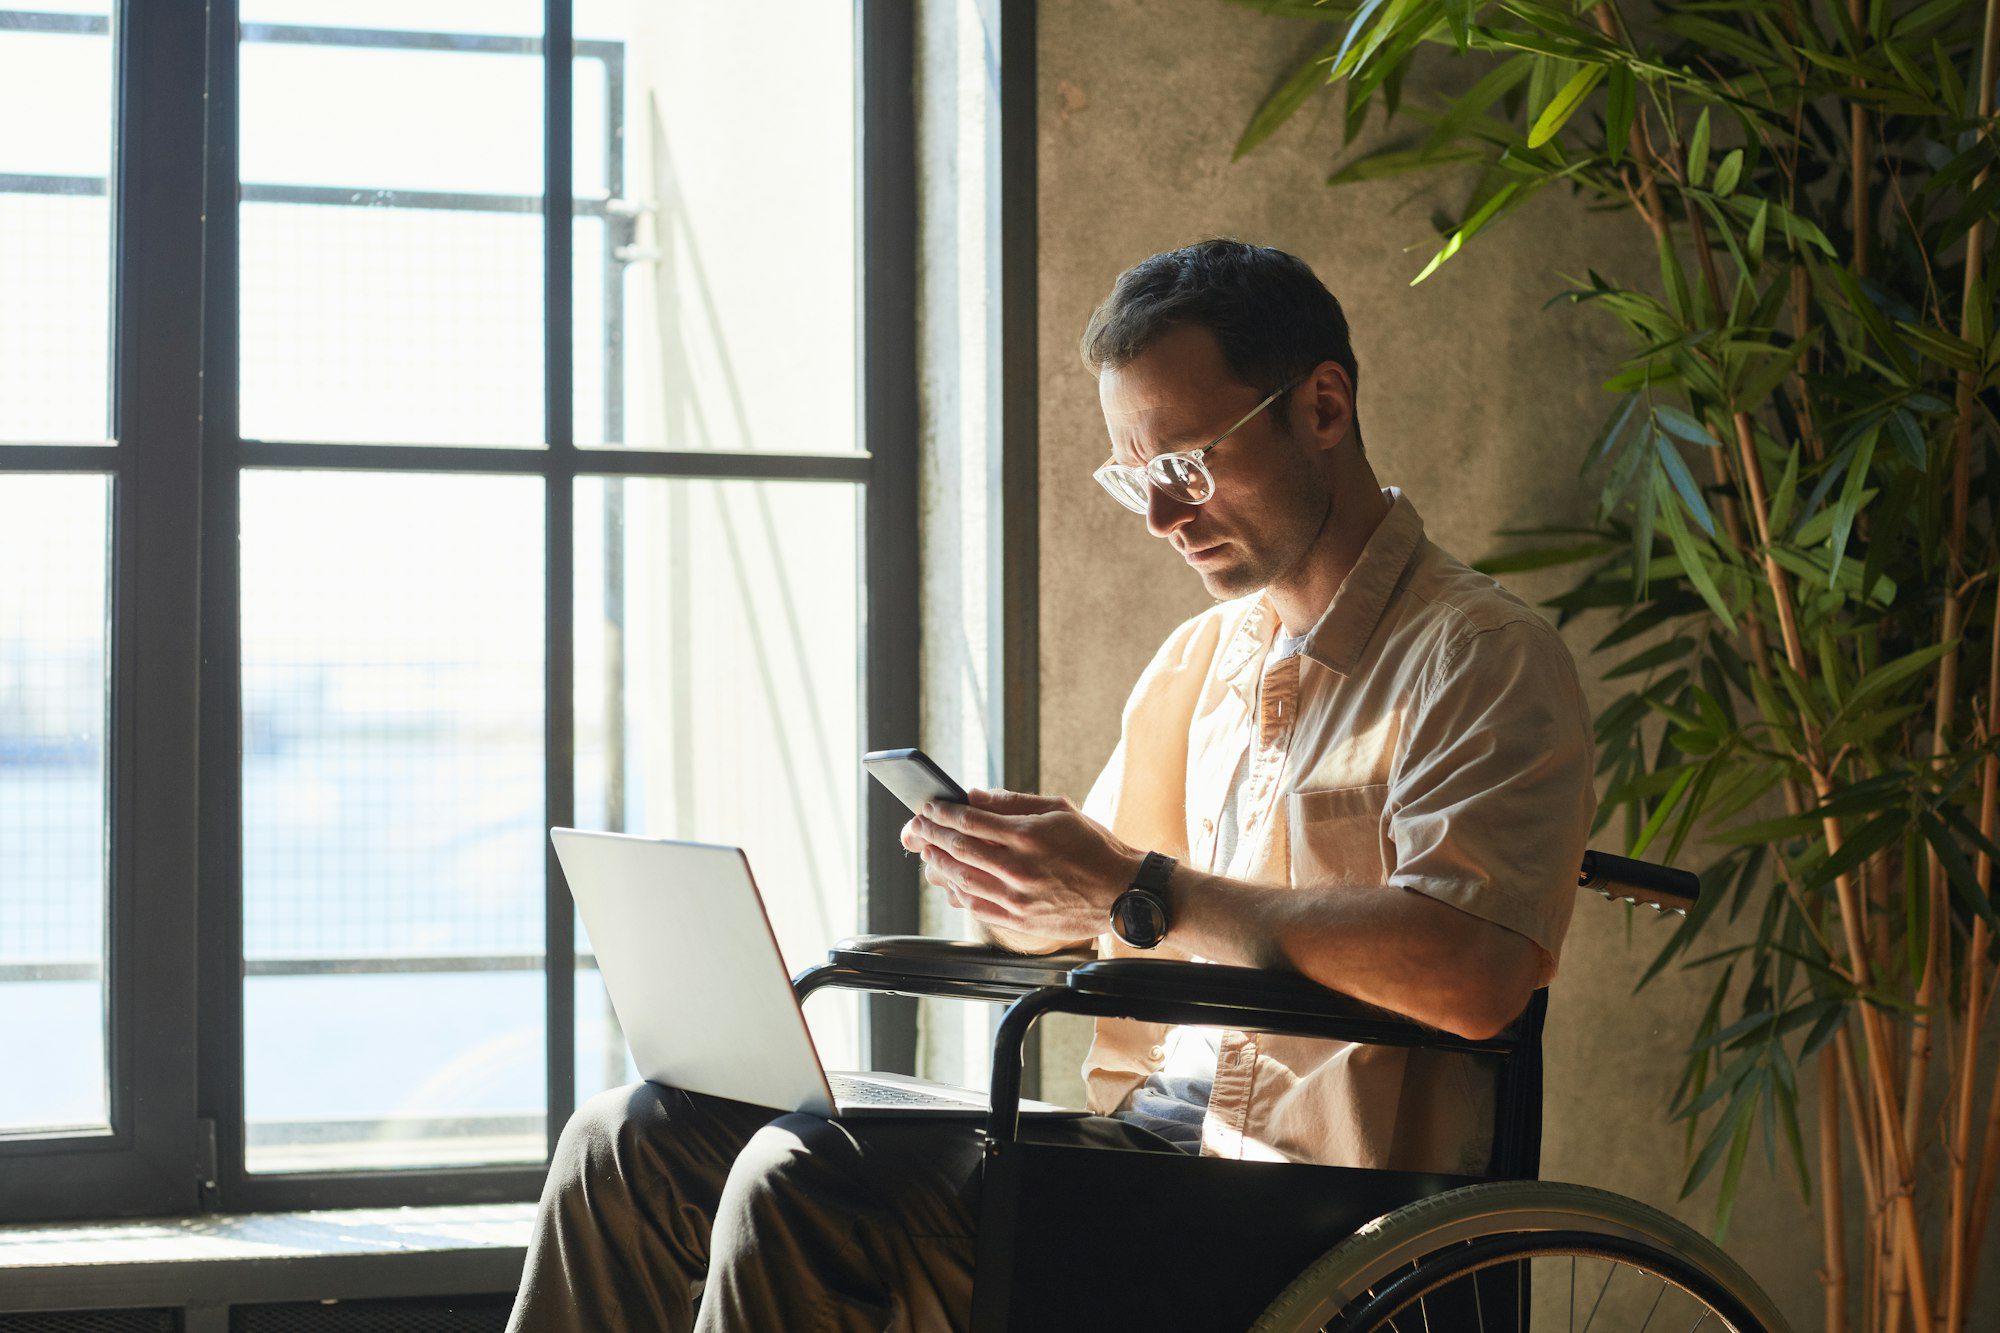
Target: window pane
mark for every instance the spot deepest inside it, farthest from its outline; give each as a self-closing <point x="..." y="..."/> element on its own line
<point x="393" y="819"/>
<point x="391" y="243"/>
<point x="718" y="637"/>
<point x="55" y="227"/>
<point x="54" y="698"/>
<point x="391" y="325"/>
<point x="735" y="325"/>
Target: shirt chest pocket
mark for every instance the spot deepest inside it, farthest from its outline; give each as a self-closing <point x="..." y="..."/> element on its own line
<point x="1338" y="834"/>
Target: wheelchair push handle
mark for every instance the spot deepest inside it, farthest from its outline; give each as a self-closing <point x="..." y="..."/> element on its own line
<point x="1620" y="878"/>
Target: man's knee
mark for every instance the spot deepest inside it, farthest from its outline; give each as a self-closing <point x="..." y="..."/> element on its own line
<point x="797" y="1164"/>
<point x="602" y="1140"/>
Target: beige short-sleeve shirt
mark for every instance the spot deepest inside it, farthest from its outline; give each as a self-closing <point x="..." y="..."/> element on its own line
<point x="1433" y="735"/>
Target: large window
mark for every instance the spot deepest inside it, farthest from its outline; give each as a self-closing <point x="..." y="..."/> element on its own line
<point x="365" y="513"/>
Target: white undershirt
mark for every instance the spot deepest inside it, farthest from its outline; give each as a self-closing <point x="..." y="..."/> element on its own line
<point x="1174" y="1101"/>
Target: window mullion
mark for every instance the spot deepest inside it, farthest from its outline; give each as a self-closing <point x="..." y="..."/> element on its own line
<point x="559" y="350"/>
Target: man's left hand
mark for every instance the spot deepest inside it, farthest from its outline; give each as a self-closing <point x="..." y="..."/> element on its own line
<point x="1024" y="863"/>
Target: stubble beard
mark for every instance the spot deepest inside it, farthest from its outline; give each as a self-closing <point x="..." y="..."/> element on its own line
<point x="1263" y="568"/>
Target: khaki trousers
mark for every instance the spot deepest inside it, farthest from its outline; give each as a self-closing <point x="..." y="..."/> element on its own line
<point x="777" y="1223"/>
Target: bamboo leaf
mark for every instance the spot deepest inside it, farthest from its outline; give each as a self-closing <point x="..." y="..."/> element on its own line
<point x="1361" y="17"/>
<point x="1754" y="243"/>
<point x="1671" y="651"/>
<point x="1849" y="502"/>
<point x="1543" y="558"/>
<point x="1787" y="1099"/>
<point x="1958" y="871"/>
<point x="1286" y="98"/>
<point x="1720" y="1140"/>
<point x="1783" y="498"/>
<point x="1661" y="811"/>
<point x="1479" y="99"/>
<point x="1458" y="13"/>
<point x="1621" y="104"/>
<point x="1692" y="558"/>
<point x="1677" y="473"/>
<point x="1563" y="105"/>
<point x="1873" y="836"/>
<point x="1727" y="173"/>
<point x="1683" y="425"/>
<point x="1397" y="162"/>
<point x="1698" y="150"/>
<point x="1485" y="214"/>
<point x="1886" y="677"/>
<point x="1672" y="280"/>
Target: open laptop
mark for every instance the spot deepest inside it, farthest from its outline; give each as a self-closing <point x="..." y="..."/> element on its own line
<point x="696" y="979"/>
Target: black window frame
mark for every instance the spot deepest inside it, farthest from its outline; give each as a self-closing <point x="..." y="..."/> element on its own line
<point x="174" y="899"/>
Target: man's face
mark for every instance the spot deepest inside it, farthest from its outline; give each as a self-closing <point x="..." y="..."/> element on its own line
<point x="1271" y="486"/>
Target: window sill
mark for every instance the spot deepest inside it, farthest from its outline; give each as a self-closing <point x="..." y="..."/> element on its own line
<point x="336" y="1254"/>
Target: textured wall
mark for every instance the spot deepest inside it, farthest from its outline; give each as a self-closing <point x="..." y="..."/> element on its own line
<point x="1473" y="399"/>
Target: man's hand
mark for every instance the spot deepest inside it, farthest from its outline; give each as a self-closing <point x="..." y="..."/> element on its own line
<point x="1031" y="865"/>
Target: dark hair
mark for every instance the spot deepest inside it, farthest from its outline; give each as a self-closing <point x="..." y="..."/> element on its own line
<point x="1273" y="317"/>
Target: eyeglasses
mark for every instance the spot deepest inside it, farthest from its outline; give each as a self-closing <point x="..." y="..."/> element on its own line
<point x="1182" y="477"/>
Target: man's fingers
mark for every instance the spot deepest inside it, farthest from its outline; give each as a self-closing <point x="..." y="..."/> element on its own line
<point x="946" y="819"/>
<point x="986" y="895"/>
<point x="1001" y="801"/>
<point x="990" y="858"/>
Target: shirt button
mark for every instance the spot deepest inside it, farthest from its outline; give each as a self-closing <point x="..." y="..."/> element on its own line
<point x="1158" y="1052"/>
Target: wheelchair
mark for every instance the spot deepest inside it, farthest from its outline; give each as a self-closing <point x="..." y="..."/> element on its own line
<point x="1198" y="1243"/>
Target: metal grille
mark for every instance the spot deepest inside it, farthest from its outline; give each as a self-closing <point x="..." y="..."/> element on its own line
<point x="92" y="1321"/>
<point x="449" y="1314"/>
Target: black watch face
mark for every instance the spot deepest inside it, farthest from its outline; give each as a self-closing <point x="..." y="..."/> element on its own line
<point x="1140" y="919"/>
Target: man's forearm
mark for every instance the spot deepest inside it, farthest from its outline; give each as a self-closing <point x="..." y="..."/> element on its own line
<point x="1019" y="943"/>
<point x="1386" y="945"/>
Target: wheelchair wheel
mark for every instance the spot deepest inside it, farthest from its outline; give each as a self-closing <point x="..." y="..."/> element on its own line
<point x="1518" y="1255"/>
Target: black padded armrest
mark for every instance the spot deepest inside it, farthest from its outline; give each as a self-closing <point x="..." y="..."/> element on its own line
<point x="953" y="960"/>
<point x="1287" y="1001"/>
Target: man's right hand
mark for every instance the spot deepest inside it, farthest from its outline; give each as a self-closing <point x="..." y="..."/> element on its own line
<point x="999" y="801"/>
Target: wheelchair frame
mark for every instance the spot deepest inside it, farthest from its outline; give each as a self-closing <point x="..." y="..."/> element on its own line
<point x="1218" y="1239"/>
<point x="1231" y="1234"/>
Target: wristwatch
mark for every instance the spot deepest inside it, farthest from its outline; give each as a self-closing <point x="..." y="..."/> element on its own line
<point x="1139" y="916"/>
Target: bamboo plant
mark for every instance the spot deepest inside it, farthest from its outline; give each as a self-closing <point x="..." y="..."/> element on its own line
<point x="1794" y="551"/>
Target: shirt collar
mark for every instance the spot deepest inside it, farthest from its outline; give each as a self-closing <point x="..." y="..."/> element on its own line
<point x="1349" y="622"/>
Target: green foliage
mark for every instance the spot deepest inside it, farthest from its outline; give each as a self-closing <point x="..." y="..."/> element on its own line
<point x="1779" y="368"/>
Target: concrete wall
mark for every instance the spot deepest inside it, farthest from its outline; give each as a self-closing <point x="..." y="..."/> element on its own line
<point x="1473" y="399"/>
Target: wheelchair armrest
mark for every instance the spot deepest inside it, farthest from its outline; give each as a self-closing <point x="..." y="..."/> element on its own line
<point x="943" y="966"/>
<point x="1214" y="993"/>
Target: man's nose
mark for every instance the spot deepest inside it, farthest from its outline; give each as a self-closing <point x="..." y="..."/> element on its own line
<point x="1164" y="514"/>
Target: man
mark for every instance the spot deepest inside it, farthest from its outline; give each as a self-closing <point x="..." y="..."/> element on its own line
<point x="1368" y="764"/>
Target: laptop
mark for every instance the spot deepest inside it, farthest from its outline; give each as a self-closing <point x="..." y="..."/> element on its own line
<point x="696" y="979"/>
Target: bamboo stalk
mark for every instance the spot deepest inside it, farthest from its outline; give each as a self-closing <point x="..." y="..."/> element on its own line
<point x="1966" y="1223"/>
<point x="1898" y="1184"/>
<point x="1857" y="164"/>
<point x="1962" y="1241"/>
<point x="1909" y="1239"/>
<point x="1832" y="1212"/>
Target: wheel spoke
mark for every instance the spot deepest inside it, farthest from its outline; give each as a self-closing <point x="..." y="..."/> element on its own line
<point x="1572" y="1294"/>
<point x="1610" y="1270"/>
<point x="1699" y="1322"/>
<point x="1424" y="1310"/>
<point x="1479" y="1306"/>
<point x="1656" y="1305"/>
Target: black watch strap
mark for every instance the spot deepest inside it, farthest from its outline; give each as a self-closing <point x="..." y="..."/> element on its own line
<point x="1154" y="873"/>
<point x="1140" y="916"/>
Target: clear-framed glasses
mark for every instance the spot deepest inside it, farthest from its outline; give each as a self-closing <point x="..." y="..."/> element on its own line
<point x="1182" y="477"/>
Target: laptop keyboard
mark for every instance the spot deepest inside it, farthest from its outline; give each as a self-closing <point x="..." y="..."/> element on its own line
<point x="866" y="1092"/>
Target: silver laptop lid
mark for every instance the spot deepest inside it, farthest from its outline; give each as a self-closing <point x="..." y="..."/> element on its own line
<point x="693" y="969"/>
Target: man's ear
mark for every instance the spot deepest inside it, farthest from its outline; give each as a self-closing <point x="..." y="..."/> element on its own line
<point x="1332" y="409"/>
